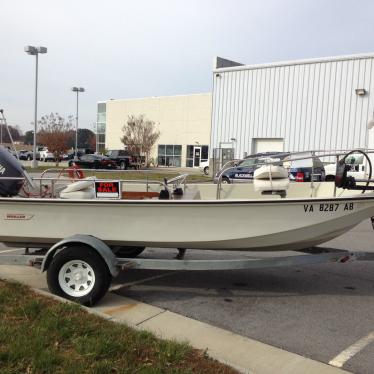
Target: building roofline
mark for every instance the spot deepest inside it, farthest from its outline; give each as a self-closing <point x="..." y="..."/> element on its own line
<point x="154" y="97"/>
<point x="296" y="62"/>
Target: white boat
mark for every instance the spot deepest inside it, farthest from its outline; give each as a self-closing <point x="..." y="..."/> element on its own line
<point x="231" y="223"/>
<point x="90" y="228"/>
<point x="242" y="218"/>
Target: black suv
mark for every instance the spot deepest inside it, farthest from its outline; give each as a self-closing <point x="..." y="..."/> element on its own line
<point x="122" y="158"/>
<point x="243" y="171"/>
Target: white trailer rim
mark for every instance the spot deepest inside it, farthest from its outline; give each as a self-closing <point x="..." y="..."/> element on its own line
<point x="76" y="278"/>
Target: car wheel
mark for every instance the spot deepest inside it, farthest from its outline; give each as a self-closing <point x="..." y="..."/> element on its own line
<point x="29" y="158"/>
<point x="206" y="170"/>
<point x="130" y="252"/>
<point x="79" y="274"/>
<point x="226" y="180"/>
<point x="122" y="165"/>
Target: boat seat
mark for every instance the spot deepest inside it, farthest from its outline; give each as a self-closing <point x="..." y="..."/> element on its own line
<point x="271" y="185"/>
<point x="81" y="189"/>
<point x="85" y="193"/>
<point x="267" y="172"/>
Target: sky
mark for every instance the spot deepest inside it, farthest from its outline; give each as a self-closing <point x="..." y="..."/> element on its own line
<point x="118" y="49"/>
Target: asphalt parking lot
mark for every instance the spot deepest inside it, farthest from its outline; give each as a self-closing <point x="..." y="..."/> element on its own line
<point x="323" y="312"/>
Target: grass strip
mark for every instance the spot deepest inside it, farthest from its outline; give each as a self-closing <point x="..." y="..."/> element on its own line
<point x="42" y="335"/>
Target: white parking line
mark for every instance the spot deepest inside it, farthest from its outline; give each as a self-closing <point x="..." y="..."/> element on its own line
<point x="351" y="351"/>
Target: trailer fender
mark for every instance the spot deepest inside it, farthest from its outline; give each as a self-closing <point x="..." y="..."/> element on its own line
<point x="88" y="240"/>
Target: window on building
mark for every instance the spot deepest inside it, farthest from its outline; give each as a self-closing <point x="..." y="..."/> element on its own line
<point x="101" y="117"/>
<point x="101" y="127"/>
<point x="204" y="153"/>
<point x="101" y="107"/>
<point x="101" y="138"/>
<point x="190" y="154"/>
<point x="169" y="155"/>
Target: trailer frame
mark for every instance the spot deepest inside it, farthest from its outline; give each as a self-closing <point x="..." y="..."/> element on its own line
<point x="92" y="248"/>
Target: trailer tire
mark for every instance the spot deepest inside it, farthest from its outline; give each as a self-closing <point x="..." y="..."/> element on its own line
<point x="129" y="252"/>
<point x="91" y="275"/>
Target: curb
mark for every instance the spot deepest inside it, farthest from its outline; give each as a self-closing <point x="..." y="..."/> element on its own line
<point x="241" y="353"/>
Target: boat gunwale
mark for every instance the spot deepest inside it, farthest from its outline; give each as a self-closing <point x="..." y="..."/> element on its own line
<point x="184" y="202"/>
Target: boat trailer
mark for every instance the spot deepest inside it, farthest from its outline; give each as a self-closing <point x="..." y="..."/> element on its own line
<point x="80" y="268"/>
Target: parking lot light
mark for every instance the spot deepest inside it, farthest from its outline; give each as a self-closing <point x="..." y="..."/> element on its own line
<point x="34" y="51"/>
<point x="77" y="90"/>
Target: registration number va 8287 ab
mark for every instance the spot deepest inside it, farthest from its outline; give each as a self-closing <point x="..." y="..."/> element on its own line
<point x="332" y="207"/>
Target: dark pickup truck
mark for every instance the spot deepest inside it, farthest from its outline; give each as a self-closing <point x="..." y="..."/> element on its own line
<point x="123" y="159"/>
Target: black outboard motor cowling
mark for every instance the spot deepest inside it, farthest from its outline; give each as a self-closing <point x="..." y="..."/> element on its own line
<point x="341" y="174"/>
<point x="10" y="168"/>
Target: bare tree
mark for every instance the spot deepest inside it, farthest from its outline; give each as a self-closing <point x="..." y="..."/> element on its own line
<point x="54" y="133"/>
<point x="4" y="134"/>
<point x="140" y="135"/>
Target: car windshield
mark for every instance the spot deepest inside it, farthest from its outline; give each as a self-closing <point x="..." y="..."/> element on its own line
<point x="355" y="159"/>
<point x="248" y="162"/>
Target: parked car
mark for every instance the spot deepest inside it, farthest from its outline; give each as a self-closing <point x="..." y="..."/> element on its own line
<point x="94" y="162"/>
<point x="123" y="159"/>
<point x="301" y="170"/>
<point x="356" y="168"/>
<point x="25" y="155"/>
<point x="45" y="155"/>
<point x="242" y="171"/>
<point x="204" y="167"/>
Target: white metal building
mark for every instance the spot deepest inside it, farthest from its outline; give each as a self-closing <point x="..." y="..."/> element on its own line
<point x="316" y="104"/>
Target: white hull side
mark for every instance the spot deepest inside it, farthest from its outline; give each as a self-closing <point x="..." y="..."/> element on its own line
<point x="235" y="225"/>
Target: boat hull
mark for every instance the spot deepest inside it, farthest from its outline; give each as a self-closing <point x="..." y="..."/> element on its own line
<point x="246" y="225"/>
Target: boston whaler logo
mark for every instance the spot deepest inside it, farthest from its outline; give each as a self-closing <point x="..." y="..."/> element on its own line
<point x="18" y="216"/>
<point x="2" y="169"/>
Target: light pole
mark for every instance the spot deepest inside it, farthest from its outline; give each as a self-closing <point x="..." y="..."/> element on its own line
<point x="34" y="51"/>
<point x="77" y="90"/>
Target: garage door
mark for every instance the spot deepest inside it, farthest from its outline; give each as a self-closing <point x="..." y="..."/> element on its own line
<point x="267" y="145"/>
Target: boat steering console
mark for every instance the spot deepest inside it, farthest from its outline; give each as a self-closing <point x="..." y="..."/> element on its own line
<point x="176" y="182"/>
<point x="349" y="182"/>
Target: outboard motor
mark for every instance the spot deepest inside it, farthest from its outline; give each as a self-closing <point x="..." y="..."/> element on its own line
<point x="341" y="179"/>
<point x="10" y="168"/>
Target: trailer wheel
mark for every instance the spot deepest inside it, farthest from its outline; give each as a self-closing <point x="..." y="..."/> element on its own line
<point x="79" y="274"/>
<point x="130" y="252"/>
